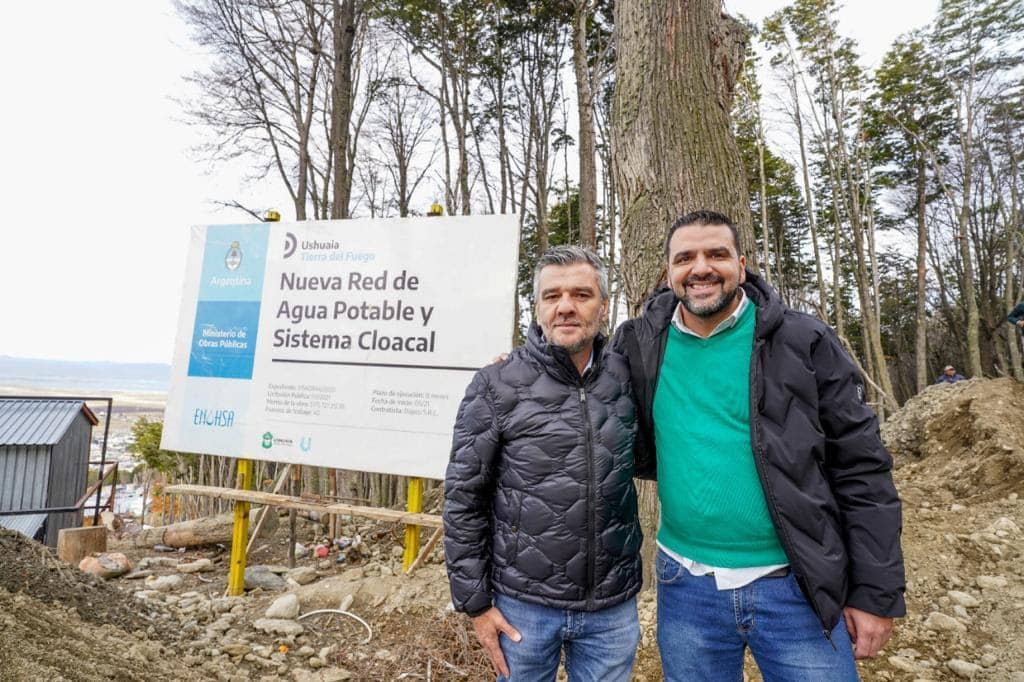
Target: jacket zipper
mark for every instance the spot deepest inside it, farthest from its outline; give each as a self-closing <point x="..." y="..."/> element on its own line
<point x="591" y="568"/>
<point x="761" y="463"/>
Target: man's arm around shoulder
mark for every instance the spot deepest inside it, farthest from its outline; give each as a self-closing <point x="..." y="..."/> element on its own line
<point x="625" y="343"/>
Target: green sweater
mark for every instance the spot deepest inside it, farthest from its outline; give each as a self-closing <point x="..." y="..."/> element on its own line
<point x="713" y="508"/>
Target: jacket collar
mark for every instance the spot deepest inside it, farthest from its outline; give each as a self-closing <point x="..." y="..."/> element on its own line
<point x="770" y="308"/>
<point x="556" y="360"/>
<point x="661" y="306"/>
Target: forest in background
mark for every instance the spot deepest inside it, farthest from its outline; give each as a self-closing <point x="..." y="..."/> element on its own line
<point x="887" y="202"/>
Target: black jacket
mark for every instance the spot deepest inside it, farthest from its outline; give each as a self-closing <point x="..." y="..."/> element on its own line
<point x="825" y="472"/>
<point x="539" y="497"/>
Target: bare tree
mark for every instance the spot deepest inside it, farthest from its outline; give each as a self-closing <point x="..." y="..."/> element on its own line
<point x="346" y="20"/>
<point x="589" y="72"/>
<point x="257" y="99"/>
<point x="403" y="123"/>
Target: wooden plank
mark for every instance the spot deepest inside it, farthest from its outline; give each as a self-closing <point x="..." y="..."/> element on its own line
<point x="281" y="478"/>
<point x="426" y="551"/>
<point x="91" y="490"/>
<point x="287" y="502"/>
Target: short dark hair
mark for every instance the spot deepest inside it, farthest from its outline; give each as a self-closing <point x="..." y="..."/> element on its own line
<point x="702" y="217"/>
<point x="571" y="255"/>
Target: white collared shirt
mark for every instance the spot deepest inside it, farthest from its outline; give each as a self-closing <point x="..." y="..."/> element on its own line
<point x="725" y="578"/>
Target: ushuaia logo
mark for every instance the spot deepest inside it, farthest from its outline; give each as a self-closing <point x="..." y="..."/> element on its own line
<point x="290" y="242"/>
<point x="268" y="440"/>
<point x="305" y="443"/>
<point x="234" y="257"/>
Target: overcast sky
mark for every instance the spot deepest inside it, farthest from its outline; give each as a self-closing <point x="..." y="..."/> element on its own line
<point x="100" y="186"/>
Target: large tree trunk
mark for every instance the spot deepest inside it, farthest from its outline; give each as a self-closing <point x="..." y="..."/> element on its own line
<point x="674" y="151"/>
<point x="676" y="67"/>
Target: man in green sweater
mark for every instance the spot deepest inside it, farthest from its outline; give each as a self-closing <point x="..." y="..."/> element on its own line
<point x="780" y="523"/>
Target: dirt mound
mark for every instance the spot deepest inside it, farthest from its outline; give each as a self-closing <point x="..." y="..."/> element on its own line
<point x="959" y="452"/>
<point x="28" y="567"/>
<point x="41" y="641"/>
<point x="904" y="430"/>
<point x="58" y="623"/>
<point x="971" y="433"/>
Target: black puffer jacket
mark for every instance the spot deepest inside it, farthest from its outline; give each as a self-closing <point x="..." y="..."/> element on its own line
<point x="825" y="472"/>
<point x="539" y="496"/>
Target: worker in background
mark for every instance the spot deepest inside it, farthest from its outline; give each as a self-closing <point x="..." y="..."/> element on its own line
<point x="949" y="376"/>
<point x="1016" y="316"/>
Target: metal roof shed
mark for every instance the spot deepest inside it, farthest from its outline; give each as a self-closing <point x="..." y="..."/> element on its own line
<point x="44" y="462"/>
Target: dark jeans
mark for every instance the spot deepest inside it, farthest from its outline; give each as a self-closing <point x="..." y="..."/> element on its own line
<point x="599" y="645"/>
<point x="703" y="631"/>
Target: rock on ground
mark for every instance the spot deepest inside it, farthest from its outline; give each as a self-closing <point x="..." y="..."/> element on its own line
<point x="278" y="626"/>
<point x="264" y="578"/>
<point x="106" y="565"/>
<point x="286" y="607"/>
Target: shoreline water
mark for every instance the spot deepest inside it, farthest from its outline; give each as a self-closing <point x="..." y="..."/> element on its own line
<point x="146" y="400"/>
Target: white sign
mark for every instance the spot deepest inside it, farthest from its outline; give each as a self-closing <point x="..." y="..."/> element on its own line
<point x="345" y="344"/>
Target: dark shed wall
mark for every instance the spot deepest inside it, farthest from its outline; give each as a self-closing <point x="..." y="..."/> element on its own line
<point x="24" y="476"/>
<point x="24" y="472"/>
<point x="69" y="466"/>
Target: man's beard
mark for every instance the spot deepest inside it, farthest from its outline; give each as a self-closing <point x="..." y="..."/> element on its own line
<point x="713" y="308"/>
<point x="590" y="332"/>
<point x="579" y="345"/>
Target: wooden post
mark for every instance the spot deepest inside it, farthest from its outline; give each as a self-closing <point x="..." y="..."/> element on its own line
<point x="431" y="543"/>
<point x="240" y="533"/>
<point x="74" y="544"/>
<point x="332" y="479"/>
<point x="293" y="490"/>
<point x="412" y="533"/>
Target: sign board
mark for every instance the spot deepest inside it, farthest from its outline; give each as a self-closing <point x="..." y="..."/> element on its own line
<point x="345" y="344"/>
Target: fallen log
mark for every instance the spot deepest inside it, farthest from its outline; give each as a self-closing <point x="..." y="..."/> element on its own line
<point x="207" y="530"/>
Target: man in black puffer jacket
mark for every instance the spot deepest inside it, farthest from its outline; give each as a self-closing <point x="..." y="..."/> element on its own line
<point x="780" y="524"/>
<point x="541" y="533"/>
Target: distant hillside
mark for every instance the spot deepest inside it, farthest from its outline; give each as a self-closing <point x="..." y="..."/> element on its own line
<point x="84" y="376"/>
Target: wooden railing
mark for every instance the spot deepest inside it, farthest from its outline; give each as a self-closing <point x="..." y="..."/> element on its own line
<point x="110" y="470"/>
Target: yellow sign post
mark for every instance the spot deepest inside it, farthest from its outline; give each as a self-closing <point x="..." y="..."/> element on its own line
<point x="240" y="532"/>
<point x="414" y="503"/>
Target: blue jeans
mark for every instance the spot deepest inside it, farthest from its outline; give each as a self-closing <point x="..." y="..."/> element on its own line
<point x="599" y="645"/>
<point x="702" y="632"/>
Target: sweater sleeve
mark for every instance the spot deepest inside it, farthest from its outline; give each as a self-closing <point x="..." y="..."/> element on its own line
<point x="860" y="473"/>
<point x="468" y="490"/>
<point x="1017" y="314"/>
